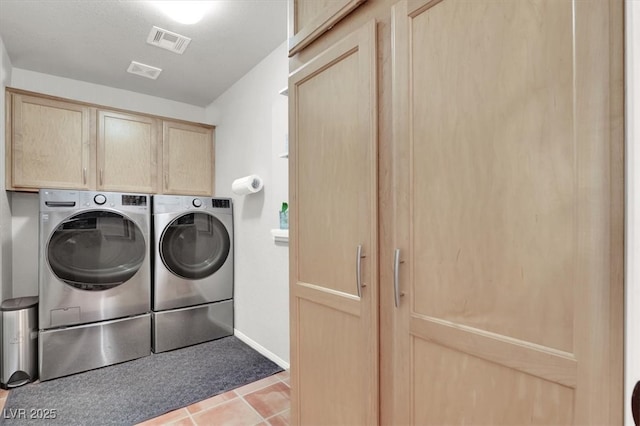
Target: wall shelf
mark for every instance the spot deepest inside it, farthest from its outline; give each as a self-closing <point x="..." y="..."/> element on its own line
<point x="284" y="92"/>
<point x="280" y="235"/>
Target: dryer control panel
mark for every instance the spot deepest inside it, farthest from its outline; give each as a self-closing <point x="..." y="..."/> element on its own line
<point x="183" y="203"/>
<point x="221" y="203"/>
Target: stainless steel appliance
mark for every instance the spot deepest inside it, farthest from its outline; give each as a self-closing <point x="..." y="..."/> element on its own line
<point x="94" y="281"/>
<point x="193" y="270"/>
<point x="19" y="341"/>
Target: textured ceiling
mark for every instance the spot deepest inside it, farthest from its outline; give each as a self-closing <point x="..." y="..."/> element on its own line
<point x="96" y="40"/>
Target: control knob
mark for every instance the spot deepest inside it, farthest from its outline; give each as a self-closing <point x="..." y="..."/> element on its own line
<point x="100" y="199"/>
<point x="197" y="202"/>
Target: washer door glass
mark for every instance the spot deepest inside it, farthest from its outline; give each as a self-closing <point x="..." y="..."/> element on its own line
<point x="96" y="250"/>
<point x="194" y="245"/>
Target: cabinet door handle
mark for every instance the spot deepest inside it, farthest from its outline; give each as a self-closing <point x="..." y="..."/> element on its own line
<point x="84" y="175"/>
<point x="396" y="277"/>
<point x="166" y="181"/>
<point x="359" y="257"/>
<point x="100" y="177"/>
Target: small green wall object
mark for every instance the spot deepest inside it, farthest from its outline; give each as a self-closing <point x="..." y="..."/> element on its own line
<point x="284" y="216"/>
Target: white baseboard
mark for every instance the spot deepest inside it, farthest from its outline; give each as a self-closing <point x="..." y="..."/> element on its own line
<point x="261" y="349"/>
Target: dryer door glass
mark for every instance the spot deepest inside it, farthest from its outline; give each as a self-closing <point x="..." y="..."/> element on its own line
<point x="96" y="250"/>
<point x="194" y="245"/>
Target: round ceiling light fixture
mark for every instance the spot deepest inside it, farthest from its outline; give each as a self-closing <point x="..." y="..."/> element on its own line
<point x="184" y="12"/>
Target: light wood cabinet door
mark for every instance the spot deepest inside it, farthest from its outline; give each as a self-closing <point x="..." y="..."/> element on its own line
<point x="509" y="201"/>
<point x="308" y="19"/>
<point x="127" y="152"/>
<point x="188" y="159"/>
<point x="333" y="238"/>
<point x="52" y="144"/>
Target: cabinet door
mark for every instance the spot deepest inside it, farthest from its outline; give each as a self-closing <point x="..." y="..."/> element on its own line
<point x="127" y="152"/>
<point x="508" y="130"/>
<point x="188" y="159"/>
<point x="308" y="19"/>
<point x="333" y="239"/>
<point x="51" y="144"/>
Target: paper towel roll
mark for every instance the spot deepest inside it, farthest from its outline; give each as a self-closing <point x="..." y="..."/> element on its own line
<point x="247" y="185"/>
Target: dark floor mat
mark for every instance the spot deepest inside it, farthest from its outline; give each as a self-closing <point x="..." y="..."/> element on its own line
<point x="131" y="392"/>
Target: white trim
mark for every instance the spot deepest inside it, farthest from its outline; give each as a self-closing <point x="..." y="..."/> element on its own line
<point x="280" y="235"/>
<point x="261" y="349"/>
<point x="632" y="238"/>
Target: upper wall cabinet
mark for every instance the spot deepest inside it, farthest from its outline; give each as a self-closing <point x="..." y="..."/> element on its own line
<point x="308" y="19"/>
<point x="50" y="144"/>
<point x="127" y="152"/>
<point x="188" y="158"/>
<point x="59" y="143"/>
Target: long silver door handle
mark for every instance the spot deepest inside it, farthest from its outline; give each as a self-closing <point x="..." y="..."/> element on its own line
<point x="101" y="180"/>
<point x="84" y="175"/>
<point x="396" y="277"/>
<point x="359" y="258"/>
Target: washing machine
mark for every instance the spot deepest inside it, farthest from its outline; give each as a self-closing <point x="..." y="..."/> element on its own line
<point x="94" y="280"/>
<point x="192" y="297"/>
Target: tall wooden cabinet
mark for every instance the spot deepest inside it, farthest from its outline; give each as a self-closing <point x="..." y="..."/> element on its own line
<point x="495" y="243"/>
<point x="333" y="194"/>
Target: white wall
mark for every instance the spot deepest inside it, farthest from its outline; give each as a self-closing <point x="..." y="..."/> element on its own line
<point x="24" y="247"/>
<point x="251" y="129"/>
<point x="104" y="95"/>
<point x="632" y="321"/>
<point x="24" y="206"/>
<point x="5" y="213"/>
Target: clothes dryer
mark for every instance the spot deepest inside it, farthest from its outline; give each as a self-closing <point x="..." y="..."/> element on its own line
<point x="94" y="280"/>
<point x="192" y="298"/>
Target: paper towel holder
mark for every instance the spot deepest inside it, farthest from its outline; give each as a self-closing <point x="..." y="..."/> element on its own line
<point x="247" y="185"/>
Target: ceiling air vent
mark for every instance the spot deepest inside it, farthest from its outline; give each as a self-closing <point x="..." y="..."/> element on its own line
<point x="144" y="70"/>
<point x="167" y="40"/>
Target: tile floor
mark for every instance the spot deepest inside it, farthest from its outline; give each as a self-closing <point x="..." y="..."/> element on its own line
<point x="3" y="397"/>
<point x="261" y="403"/>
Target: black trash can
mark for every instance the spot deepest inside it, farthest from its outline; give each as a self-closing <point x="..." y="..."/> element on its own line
<point x="19" y="341"/>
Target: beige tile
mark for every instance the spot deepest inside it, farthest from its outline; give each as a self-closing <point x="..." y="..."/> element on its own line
<point x="183" y="422"/>
<point x="257" y="385"/>
<point x="271" y="400"/>
<point x="4" y="394"/>
<point x="167" y="418"/>
<point x="282" y="419"/>
<point x="283" y="375"/>
<point x="235" y="412"/>
<point x="211" y="402"/>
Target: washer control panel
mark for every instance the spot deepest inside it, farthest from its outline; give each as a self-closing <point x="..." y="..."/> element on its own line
<point x="134" y="200"/>
<point x="100" y="199"/>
